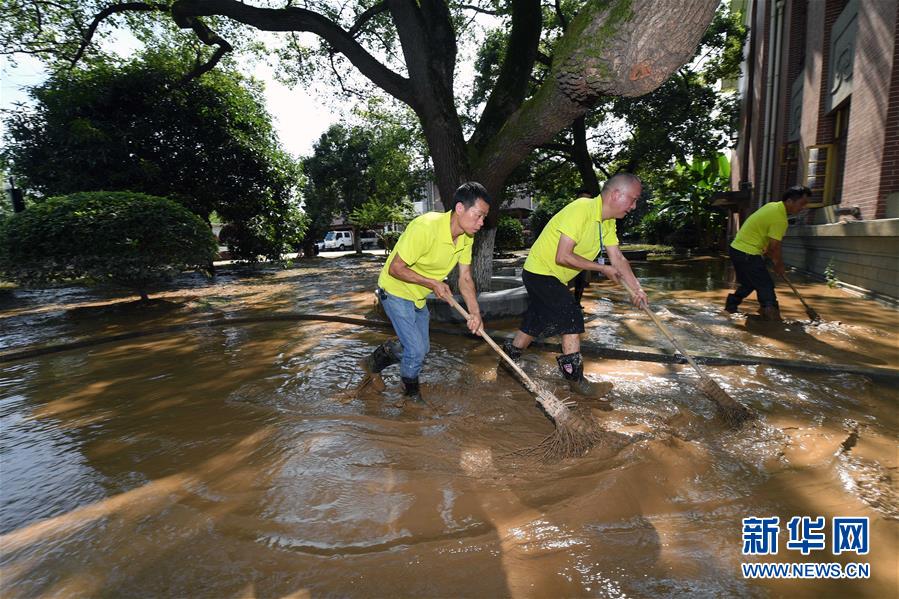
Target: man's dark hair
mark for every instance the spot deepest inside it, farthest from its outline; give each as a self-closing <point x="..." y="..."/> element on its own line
<point x="796" y="192"/>
<point x="583" y="192"/>
<point x="468" y="193"/>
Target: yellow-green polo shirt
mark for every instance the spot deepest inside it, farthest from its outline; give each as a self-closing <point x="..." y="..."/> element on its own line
<point x="580" y="220"/>
<point x="427" y="247"/>
<point x="769" y="221"/>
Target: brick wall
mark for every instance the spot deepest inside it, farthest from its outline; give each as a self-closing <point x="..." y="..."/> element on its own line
<point x="794" y="59"/>
<point x="763" y="19"/>
<point x="812" y="98"/>
<point x="781" y="103"/>
<point x="889" y="175"/>
<point x="832" y="10"/>
<point x="798" y="10"/>
<point x="872" y="66"/>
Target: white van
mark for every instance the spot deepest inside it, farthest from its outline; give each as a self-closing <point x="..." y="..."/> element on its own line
<point x="337" y="240"/>
<point x="343" y="240"/>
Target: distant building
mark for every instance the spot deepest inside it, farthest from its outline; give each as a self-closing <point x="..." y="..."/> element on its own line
<point x="518" y="202"/>
<point x="820" y="107"/>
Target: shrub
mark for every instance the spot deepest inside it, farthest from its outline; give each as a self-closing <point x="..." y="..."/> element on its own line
<point x="654" y="228"/>
<point x="389" y="239"/>
<point x="129" y="239"/>
<point x="830" y="275"/>
<point x="509" y="233"/>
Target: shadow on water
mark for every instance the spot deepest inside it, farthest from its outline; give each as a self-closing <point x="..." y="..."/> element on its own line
<point x="236" y="461"/>
<point x="798" y="341"/>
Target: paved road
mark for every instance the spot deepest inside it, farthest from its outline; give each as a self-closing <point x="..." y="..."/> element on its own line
<point x="323" y="254"/>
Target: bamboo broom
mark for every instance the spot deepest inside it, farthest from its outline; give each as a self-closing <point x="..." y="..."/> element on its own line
<point x="574" y="434"/>
<point x="731" y="411"/>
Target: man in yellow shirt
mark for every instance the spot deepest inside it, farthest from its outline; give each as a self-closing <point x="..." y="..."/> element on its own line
<point x="425" y="253"/>
<point x="581" y="231"/>
<point x="761" y="235"/>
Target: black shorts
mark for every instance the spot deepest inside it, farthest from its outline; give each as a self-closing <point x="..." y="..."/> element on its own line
<point x="552" y="309"/>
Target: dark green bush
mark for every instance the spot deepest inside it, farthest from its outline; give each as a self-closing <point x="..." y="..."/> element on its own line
<point x="129" y="239"/>
<point x="509" y="233"/>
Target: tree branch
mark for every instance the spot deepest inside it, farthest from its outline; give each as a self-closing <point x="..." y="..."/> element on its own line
<point x="88" y="35"/>
<point x="479" y="9"/>
<point x="561" y="16"/>
<point x="514" y="75"/>
<point x="343" y="88"/>
<point x="200" y="69"/>
<point x="208" y="37"/>
<point x="603" y="169"/>
<point x="366" y="16"/>
<point x="299" y="19"/>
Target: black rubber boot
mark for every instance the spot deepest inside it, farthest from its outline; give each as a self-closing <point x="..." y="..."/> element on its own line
<point x="383" y="356"/>
<point x="732" y="303"/>
<point x="572" y="368"/>
<point x="411" y="390"/>
<point x="514" y="353"/>
<point x="770" y="313"/>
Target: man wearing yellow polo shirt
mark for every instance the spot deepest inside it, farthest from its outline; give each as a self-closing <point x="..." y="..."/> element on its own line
<point x="581" y="231"/>
<point x="426" y="252"/>
<point x="761" y="235"/>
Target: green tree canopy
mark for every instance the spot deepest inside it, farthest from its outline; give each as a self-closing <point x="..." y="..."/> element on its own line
<point x="377" y="215"/>
<point x="135" y="125"/>
<point x="355" y="169"/>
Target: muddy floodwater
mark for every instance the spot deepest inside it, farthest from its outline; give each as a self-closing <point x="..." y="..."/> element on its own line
<point x="236" y="460"/>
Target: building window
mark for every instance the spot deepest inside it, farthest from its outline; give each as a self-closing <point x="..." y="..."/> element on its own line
<point x="840" y="134"/>
<point x="819" y="167"/>
<point x="790" y="163"/>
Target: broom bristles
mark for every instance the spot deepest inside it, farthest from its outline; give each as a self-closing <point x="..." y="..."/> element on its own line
<point x="574" y="436"/>
<point x="571" y="439"/>
<point x="732" y="412"/>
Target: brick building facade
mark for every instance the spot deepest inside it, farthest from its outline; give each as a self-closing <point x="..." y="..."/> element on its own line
<point x="820" y="107"/>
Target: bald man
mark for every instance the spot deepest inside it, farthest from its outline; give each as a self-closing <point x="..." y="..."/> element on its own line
<point x="585" y="228"/>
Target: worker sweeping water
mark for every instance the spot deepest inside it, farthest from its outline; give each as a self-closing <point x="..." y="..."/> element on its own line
<point x="424" y="255"/>
<point x="759" y="236"/>
<point x="583" y="229"/>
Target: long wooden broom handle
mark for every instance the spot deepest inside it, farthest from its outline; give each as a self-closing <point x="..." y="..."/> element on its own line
<point x="664" y="329"/>
<point x="530" y="384"/>
<point x="793" y="287"/>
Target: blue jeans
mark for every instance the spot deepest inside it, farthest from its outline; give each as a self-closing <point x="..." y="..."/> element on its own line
<point x="411" y="326"/>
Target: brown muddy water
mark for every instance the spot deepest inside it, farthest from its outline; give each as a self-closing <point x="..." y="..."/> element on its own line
<point x="236" y="461"/>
